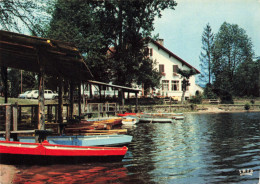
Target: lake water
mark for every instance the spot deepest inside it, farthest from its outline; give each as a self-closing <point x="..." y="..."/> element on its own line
<point x="203" y="148"/>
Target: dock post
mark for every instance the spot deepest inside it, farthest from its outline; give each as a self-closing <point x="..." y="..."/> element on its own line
<point x="41" y="113"/>
<point x="71" y="100"/>
<point x="136" y="103"/>
<point x="7" y="122"/>
<point x="79" y="99"/>
<point x="4" y="78"/>
<point x="60" y="105"/>
<point x="15" y="116"/>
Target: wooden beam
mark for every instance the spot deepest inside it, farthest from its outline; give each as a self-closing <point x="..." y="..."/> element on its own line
<point x="136" y="103"/>
<point x="4" y="78"/>
<point x="41" y="113"/>
<point x="123" y="99"/>
<point x="15" y="116"/>
<point x="71" y="100"/>
<point x="60" y="101"/>
<point x="7" y="122"/>
<point x="79" y="99"/>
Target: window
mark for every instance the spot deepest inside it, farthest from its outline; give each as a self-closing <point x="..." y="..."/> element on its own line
<point x="161" y="68"/>
<point x="175" y="69"/>
<point x="175" y="85"/>
<point x="148" y="51"/>
<point x="165" y="85"/>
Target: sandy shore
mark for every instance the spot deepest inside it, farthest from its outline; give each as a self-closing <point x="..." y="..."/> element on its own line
<point x="216" y="109"/>
<point x="7" y="173"/>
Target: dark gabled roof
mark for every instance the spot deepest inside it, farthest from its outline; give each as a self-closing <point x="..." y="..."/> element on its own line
<point x="32" y="53"/>
<point x="173" y="55"/>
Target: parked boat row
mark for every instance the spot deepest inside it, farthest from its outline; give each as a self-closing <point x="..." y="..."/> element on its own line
<point x="82" y="141"/>
<point x="132" y="118"/>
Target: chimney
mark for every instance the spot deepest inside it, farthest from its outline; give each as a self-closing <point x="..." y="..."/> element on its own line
<point x="160" y="41"/>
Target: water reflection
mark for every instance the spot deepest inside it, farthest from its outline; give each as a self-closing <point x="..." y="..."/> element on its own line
<point x="203" y="148"/>
<point x="98" y="173"/>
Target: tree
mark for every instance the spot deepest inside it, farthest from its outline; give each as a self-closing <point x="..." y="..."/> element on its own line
<point x="232" y="48"/>
<point x="22" y="16"/>
<point x="247" y="77"/>
<point x="206" y="55"/>
<point x="186" y="74"/>
<point x="110" y="35"/>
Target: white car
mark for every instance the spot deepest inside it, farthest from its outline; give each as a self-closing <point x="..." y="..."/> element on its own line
<point x="32" y="94"/>
<point x="24" y="95"/>
<point x="48" y="94"/>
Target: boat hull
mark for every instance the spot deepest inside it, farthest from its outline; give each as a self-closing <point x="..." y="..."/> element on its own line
<point x="18" y="159"/>
<point x="78" y="140"/>
<point x="156" y="120"/>
<point x="46" y="153"/>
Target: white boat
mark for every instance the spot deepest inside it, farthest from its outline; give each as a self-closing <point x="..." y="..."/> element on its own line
<point x="155" y="119"/>
<point x="130" y="120"/>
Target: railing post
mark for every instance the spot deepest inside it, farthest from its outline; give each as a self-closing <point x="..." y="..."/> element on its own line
<point x="15" y="114"/>
<point x="7" y="122"/>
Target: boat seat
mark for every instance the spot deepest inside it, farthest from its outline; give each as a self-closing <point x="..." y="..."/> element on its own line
<point x="39" y="134"/>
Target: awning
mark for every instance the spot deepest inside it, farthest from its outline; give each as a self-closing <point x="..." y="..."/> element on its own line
<point x="34" y="54"/>
<point x="126" y="89"/>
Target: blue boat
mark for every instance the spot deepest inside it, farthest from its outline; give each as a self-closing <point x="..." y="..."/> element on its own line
<point x="80" y="140"/>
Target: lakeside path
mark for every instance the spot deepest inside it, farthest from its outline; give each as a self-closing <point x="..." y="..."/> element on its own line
<point x="215" y="109"/>
<point x="7" y="173"/>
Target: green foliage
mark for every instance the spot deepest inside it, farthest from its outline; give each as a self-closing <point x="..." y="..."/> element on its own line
<point x="247" y="106"/>
<point x="232" y="48"/>
<point x="186" y="74"/>
<point x="197" y="99"/>
<point x="206" y="55"/>
<point x="109" y="34"/>
<point x="208" y="92"/>
<point x="22" y="16"/>
<point x="247" y="79"/>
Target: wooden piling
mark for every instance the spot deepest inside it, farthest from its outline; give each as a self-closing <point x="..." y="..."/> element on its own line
<point x="7" y="122"/>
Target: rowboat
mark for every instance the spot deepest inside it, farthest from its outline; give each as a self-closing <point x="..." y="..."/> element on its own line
<point x="130" y="120"/>
<point x="156" y="120"/>
<point x="176" y="116"/>
<point x="45" y="153"/>
<point x="93" y="124"/>
<point x="80" y="140"/>
<point x="127" y="114"/>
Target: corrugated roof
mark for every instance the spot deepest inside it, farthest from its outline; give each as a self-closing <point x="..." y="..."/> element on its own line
<point x="127" y="89"/>
<point x="33" y="53"/>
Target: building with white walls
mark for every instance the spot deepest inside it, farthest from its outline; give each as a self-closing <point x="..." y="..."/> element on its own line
<point x="168" y="64"/>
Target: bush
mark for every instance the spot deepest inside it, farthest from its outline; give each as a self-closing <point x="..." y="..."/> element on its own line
<point x="247" y="106"/>
<point x="252" y="101"/>
<point x="196" y="99"/>
<point x="208" y="92"/>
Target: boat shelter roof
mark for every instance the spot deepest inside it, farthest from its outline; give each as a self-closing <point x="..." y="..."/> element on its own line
<point x="125" y="89"/>
<point x="37" y="54"/>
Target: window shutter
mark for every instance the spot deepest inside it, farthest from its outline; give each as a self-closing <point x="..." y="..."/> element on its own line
<point x="175" y="69"/>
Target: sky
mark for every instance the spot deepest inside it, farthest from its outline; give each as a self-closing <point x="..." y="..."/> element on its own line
<point x="182" y="28"/>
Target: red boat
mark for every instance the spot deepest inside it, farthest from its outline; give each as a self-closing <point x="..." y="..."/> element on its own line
<point x="127" y="114"/>
<point x="46" y="153"/>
